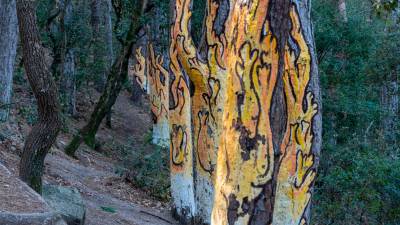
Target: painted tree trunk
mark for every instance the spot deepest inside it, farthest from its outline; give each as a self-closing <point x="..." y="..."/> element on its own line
<point x="245" y="123"/>
<point x="151" y="75"/>
<point x="139" y="84"/>
<point x="8" y="46"/>
<point x="158" y="78"/>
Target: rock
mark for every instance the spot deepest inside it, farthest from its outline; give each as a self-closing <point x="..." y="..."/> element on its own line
<point x="20" y="205"/>
<point x="66" y="201"/>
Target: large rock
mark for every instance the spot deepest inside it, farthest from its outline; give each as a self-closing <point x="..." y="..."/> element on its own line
<point x="20" y="205"/>
<point x="67" y="202"/>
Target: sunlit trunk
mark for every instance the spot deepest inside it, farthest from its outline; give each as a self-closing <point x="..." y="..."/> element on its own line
<point x="248" y="136"/>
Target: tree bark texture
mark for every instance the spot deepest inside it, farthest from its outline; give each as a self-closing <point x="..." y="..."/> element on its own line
<point x="245" y="122"/>
<point x="99" y="42"/>
<point x="69" y="67"/>
<point x="103" y="54"/>
<point x="8" y="46"/>
<point x="45" y="131"/>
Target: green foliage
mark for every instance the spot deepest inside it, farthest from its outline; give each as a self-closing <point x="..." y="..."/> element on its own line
<point x="359" y="178"/>
<point x="148" y="137"/>
<point x="147" y="166"/>
<point x="385" y="7"/>
<point x="29" y="113"/>
<point x="150" y="167"/>
<point x="198" y="20"/>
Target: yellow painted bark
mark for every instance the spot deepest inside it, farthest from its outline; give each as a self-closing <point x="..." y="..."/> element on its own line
<point x="138" y="70"/>
<point x="153" y="78"/>
<point x="221" y="126"/>
<point x="296" y="172"/>
<point x="206" y="77"/>
<point x="158" y="79"/>
<point x="246" y="154"/>
<point x="182" y="183"/>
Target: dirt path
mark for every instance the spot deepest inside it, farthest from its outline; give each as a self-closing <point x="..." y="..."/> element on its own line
<point x="109" y="199"/>
<point x="102" y="190"/>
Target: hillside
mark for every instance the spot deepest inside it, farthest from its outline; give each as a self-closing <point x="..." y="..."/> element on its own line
<point x="109" y="197"/>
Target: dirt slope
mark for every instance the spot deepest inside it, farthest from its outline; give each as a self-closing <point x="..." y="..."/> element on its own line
<point x="109" y="198"/>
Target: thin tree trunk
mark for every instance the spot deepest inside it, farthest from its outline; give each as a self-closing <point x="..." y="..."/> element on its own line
<point x="389" y="100"/>
<point x="99" y="51"/>
<point x="390" y="108"/>
<point x="8" y="46"/>
<point x="343" y="10"/>
<point x="103" y="55"/>
<point x="70" y="81"/>
<point x="115" y="79"/>
<point x="45" y="131"/>
<point x="109" y="43"/>
<point x="68" y="60"/>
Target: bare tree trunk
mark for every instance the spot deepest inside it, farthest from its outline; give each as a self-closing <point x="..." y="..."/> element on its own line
<point x="343" y="10"/>
<point x="70" y="81"/>
<point x="44" y="133"/>
<point x="103" y="55"/>
<point x="390" y="108"/>
<point x="99" y="54"/>
<point x="389" y="100"/>
<point x="8" y="46"/>
<point x="109" y="44"/>
<point x="68" y="60"/>
<point x="115" y="79"/>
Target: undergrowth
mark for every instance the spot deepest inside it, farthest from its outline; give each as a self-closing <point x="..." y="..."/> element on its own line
<point x="147" y="167"/>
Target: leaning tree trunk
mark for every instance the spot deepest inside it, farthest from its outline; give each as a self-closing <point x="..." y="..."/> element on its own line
<point x="45" y="131"/>
<point x="8" y="46"/>
<point x="245" y="121"/>
<point x="115" y="80"/>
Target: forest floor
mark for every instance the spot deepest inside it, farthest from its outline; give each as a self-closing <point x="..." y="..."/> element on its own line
<point x="110" y="199"/>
